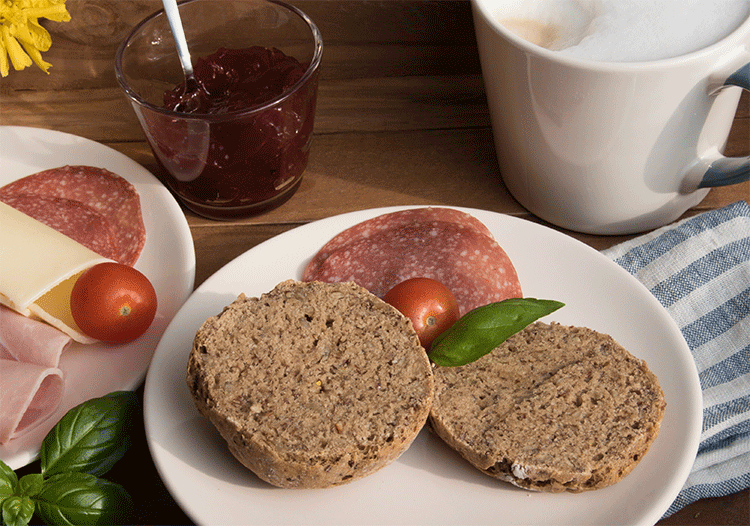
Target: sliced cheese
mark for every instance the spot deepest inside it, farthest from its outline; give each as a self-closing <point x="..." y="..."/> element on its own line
<point x="38" y="268"/>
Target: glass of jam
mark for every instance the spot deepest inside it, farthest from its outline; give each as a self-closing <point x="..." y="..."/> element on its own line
<point x="243" y="148"/>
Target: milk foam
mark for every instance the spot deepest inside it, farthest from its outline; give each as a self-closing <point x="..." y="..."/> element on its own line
<point x="623" y="30"/>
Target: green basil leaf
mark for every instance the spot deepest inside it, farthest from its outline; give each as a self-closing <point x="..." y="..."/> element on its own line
<point x="17" y="510"/>
<point x="76" y="498"/>
<point x="8" y="481"/>
<point x="479" y="331"/>
<point x="30" y="485"/>
<point x="91" y="437"/>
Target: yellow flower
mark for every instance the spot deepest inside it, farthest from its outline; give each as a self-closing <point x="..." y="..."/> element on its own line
<point x="22" y="38"/>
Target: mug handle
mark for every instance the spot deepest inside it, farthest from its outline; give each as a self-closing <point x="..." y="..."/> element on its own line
<point x="730" y="170"/>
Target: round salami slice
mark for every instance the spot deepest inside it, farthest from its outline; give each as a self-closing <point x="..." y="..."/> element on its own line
<point x="384" y="222"/>
<point x="76" y="220"/>
<point x="471" y="264"/>
<point x="103" y="191"/>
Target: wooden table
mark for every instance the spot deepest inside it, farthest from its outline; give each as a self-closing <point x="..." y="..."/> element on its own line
<point x="401" y="119"/>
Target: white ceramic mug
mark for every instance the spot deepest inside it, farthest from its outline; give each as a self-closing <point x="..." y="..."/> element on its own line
<point x="611" y="147"/>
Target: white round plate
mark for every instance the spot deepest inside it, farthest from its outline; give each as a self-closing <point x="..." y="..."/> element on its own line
<point x="168" y="260"/>
<point x="429" y="484"/>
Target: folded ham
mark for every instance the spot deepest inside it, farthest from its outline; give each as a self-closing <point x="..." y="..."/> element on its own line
<point x="31" y="341"/>
<point x="31" y="384"/>
<point x="29" y="394"/>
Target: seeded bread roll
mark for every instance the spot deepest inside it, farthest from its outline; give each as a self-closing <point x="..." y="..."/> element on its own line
<point x="312" y="385"/>
<point x="553" y="409"/>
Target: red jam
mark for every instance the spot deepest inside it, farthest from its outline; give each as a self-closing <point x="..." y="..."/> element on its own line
<point x="232" y="157"/>
<point x="238" y="79"/>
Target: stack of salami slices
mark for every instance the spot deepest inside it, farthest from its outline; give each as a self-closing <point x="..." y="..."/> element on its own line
<point x="101" y="211"/>
<point x="443" y="244"/>
<point x="97" y="208"/>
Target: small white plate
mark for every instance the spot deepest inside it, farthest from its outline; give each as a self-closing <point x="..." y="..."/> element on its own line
<point x="429" y="484"/>
<point x="168" y="260"/>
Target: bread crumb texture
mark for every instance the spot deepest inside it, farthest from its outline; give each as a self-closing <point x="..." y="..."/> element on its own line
<point x="312" y="385"/>
<point x="553" y="409"/>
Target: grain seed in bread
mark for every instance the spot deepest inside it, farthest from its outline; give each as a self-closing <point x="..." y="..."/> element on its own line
<point x="554" y="408"/>
<point x="312" y="385"/>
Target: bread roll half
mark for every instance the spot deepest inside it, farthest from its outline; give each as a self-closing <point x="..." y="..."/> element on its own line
<point x="312" y="385"/>
<point x="553" y="409"/>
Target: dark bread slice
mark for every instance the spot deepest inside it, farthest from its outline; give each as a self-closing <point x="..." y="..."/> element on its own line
<point x="553" y="409"/>
<point x="312" y="385"/>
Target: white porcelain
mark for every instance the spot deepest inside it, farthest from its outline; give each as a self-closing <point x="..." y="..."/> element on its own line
<point x="605" y="147"/>
<point x="429" y="484"/>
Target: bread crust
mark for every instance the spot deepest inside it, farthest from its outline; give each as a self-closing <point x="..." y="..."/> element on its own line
<point x="552" y="409"/>
<point x="312" y="385"/>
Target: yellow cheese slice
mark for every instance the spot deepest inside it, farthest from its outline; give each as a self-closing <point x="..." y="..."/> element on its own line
<point x="38" y="268"/>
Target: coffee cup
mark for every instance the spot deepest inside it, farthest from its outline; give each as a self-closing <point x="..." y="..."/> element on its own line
<point x="608" y="145"/>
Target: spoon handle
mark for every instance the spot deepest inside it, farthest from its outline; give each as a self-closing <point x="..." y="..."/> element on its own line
<point x="175" y="24"/>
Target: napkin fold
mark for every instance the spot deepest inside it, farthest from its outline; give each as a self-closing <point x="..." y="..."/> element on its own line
<point x="699" y="269"/>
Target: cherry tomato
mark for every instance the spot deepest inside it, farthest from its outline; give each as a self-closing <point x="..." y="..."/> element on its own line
<point x="113" y="302"/>
<point x="429" y="305"/>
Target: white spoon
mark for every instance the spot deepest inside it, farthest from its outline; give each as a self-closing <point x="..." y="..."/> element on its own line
<point x="190" y="97"/>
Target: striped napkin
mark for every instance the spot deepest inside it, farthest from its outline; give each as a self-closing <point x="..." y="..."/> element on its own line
<point x="699" y="269"/>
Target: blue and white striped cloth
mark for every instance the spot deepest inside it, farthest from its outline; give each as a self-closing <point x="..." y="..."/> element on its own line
<point x="699" y="269"/>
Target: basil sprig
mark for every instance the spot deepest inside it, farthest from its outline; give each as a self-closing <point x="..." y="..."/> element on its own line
<point x="81" y="447"/>
<point x="480" y="330"/>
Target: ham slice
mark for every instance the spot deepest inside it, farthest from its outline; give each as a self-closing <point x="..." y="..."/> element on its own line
<point x="31" y="384"/>
<point x="29" y="394"/>
<point x="32" y="341"/>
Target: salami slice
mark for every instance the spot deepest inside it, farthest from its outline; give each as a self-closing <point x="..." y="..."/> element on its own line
<point x="384" y="222"/>
<point x="471" y="264"/>
<point x="72" y="218"/>
<point x="105" y="192"/>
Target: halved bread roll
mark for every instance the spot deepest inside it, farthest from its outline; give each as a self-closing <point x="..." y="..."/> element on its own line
<point x="312" y="385"/>
<point x="554" y="408"/>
